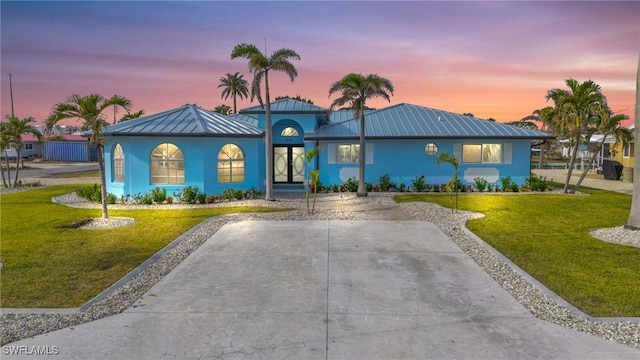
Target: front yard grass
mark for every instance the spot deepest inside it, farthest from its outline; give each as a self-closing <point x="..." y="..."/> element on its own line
<point x="48" y="267"/>
<point x="547" y="235"/>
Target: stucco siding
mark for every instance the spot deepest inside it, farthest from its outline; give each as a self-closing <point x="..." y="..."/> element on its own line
<point x="200" y="163"/>
<point x="405" y="160"/>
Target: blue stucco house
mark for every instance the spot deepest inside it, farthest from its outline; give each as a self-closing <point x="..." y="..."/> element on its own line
<point x="190" y="146"/>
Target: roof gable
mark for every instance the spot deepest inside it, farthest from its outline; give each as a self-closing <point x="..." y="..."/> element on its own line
<point x="188" y="120"/>
<point x="413" y="121"/>
<point x="286" y="106"/>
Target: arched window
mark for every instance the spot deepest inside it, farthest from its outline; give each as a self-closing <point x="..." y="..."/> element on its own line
<point x="289" y="131"/>
<point x="118" y="164"/>
<point x="167" y="165"/>
<point x="230" y="164"/>
<point x="431" y="149"/>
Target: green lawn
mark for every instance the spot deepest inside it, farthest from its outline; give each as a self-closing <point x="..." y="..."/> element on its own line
<point x="45" y="266"/>
<point x="548" y="236"/>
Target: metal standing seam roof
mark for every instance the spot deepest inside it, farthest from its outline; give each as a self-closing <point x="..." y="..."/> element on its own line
<point x="286" y="106"/>
<point x="188" y="120"/>
<point x="406" y="121"/>
<point x="344" y="115"/>
<point x="245" y="118"/>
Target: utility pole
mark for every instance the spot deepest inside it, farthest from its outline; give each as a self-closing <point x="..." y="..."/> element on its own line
<point x="11" y="92"/>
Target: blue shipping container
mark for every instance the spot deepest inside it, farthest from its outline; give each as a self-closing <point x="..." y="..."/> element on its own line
<point x="71" y="151"/>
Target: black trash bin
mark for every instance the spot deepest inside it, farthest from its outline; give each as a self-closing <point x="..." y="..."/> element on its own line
<point x="612" y="170"/>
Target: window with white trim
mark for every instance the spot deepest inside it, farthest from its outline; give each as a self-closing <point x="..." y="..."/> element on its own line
<point x="482" y="153"/>
<point x="231" y="164"/>
<point x="28" y="146"/>
<point x="348" y="153"/>
<point x="626" y="151"/>
<point x="167" y="165"/>
<point x="118" y="164"/>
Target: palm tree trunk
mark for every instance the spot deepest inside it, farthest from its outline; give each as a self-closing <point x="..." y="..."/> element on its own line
<point x="4" y="180"/>
<point x="15" y="179"/>
<point x="6" y="157"/>
<point x="268" y="134"/>
<point x="362" y="187"/>
<point x="103" y="182"/>
<point x="571" y="163"/>
<point x="586" y="170"/>
<point x="235" y="107"/>
<point x="634" y="215"/>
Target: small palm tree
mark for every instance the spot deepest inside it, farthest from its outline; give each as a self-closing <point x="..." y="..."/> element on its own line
<point x="12" y="132"/>
<point x="260" y="65"/>
<point x="90" y="109"/>
<point x="574" y="110"/>
<point x="235" y="86"/>
<point x="314" y="177"/>
<point x="355" y="90"/>
<point x="453" y="183"/>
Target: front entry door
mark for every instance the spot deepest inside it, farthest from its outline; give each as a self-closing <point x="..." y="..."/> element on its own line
<point x="288" y="164"/>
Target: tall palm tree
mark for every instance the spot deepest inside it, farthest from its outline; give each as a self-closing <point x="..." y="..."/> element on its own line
<point x="235" y="86"/>
<point x="90" y="109"/>
<point x="260" y="65"/>
<point x="633" y="223"/>
<point x="608" y="125"/>
<point x="574" y="110"/>
<point x="14" y="129"/>
<point x="355" y="90"/>
<point x="5" y="143"/>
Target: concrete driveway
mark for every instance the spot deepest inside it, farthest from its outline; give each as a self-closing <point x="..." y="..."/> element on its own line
<point x="324" y="290"/>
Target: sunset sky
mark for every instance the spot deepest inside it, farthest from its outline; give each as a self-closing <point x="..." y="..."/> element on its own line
<point x="493" y="59"/>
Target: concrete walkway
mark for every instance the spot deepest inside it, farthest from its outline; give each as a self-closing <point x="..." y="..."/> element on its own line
<point x="324" y="290"/>
<point x="593" y="181"/>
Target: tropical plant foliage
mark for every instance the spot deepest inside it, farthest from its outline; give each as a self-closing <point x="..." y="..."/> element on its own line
<point x="11" y="137"/>
<point x="575" y="109"/>
<point x="452" y="186"/>
<point x="297" y="98"/>
<point x="91" y="110"/>
<point x="260" y="65"/>
<point x="314" y="177"/>
<point x="223" y="109"/>
<point x="234" y="85"/>
<point x="355" y="90"/>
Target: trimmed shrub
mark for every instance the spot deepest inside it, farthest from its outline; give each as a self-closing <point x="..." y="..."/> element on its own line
<point x="481" y="184"/>
<point x="386" y="184"/>
<point x="418" y="184"/>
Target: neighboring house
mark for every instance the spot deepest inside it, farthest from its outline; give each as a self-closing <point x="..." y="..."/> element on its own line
<point x="624" y="154"/>
<point x="31" y="148"/>
<point x="190" y="146"/>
